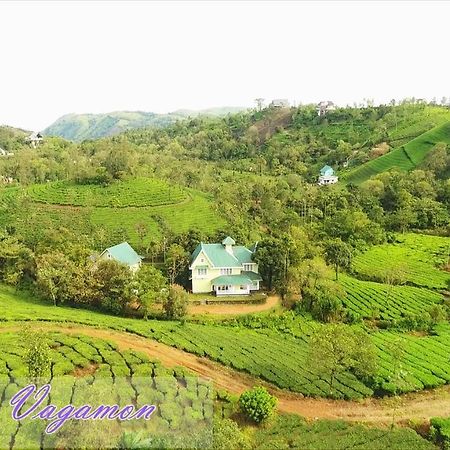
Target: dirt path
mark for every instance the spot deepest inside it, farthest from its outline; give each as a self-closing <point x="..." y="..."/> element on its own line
<point x="421" y="406"/>
<point x="235" y="309"/>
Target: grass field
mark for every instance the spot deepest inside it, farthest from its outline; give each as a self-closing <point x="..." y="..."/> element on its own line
<point x="277" y="355"/>
<point x="419" y="257"/>
<point x="370" y="300"/>
<point x="87" y="370"/>
<point x="404" y="158"/>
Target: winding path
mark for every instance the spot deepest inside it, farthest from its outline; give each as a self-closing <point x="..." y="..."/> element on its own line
<point x="419" y="406"/>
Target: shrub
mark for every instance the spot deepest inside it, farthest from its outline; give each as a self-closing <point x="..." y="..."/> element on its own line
<point x="257" y="404"/>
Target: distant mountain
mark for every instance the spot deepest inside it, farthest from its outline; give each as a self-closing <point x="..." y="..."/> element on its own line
<point x="78" y="127"/>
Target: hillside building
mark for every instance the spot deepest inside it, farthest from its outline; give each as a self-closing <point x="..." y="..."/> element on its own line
<point x="324" y="106"/>
<point x="34" y="139"/>
<point x="327" y="176"/>
<point x="124" y="254"/>
<point x="279" y="103"/>
<point x="224" y="269"/>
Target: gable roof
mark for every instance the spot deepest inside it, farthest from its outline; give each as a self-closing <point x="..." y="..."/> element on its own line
<point x="219" y="257"/>
<point x="326" y="170"/>
<point x="124" y="253"/>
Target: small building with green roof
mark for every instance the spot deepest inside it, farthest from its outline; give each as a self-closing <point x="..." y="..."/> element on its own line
<point x="224" y="269"/>
<point x="327" y="176"/>
<point x="125" y="254"/>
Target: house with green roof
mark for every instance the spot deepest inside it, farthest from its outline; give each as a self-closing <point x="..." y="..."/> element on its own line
<point x="224" y="269"/>
<point x="327" y="176"/>
<point x="125" y="254"/>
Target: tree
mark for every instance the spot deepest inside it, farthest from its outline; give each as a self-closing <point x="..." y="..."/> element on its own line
<point x="324" y="300"/>
<point x="393" y="276"/>
<point x="176" y="260"/>
<point x="113" y="284"/>
<point x="175" y="304"/>
<point x="227" y="435"/>
<point x="148" y="286"/>
<point x="54" y="273"/>
<point x="339" y="254"/>
<point x="37" y="353"/>
<point x="257" y="404"/>
<point x="337" y="348"/>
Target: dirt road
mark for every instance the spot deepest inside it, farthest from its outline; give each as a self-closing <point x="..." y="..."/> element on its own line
<point x="422" y="405"/>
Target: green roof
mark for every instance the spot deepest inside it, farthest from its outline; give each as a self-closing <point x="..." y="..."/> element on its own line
<point x="326" y="170"/>
<point x="231" y="280"/>
<point x="219" y="257"/>
<point x="124" y="253"/>
<point x="253" y="276"/>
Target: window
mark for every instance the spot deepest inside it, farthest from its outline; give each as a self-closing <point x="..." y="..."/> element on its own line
<point x="202" y="271"/>
<point x="226" y="271"/>
<point x="248" y="267"/>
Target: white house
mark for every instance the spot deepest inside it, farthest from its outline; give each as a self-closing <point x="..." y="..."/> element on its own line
<point x="280" y="103"/>
<point x="327" y="176"/>
<point x="125" y="254"/>
<point x="34" y="139"/>
<point x="324" y="106"/>
<point x="225" y="269"/>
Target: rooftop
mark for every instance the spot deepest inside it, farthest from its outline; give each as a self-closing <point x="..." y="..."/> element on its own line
<point x="124" y="253"/>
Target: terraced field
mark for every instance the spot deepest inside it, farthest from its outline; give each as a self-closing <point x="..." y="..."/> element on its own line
<point x="418" y="257"/>
<point x="275" y="355"/>
<point x="93" y="371"/>
<point x="404" y="158"/>
<point x="376" y="300"/>
<point x="119" y="209"/>
<point x="136" y="192"/>
<point x="414" y="372"/>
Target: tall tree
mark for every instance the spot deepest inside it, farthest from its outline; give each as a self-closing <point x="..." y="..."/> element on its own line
<point x="337" y="348"/>
<point x="339" y="254"/>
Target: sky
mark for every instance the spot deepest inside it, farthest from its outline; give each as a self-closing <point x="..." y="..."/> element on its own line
<point x="97" y="57"/>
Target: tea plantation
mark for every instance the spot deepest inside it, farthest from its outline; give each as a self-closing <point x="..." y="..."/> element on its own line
<point x="293" y="432"/>
<point x="120" y="194"/>
<point x="406" y="157"/>
<point x="275" y="353"/>
<point x="118" y="209"/>
<point x="370" y="300"/>
<point x="92" y="371"/>
<point x="418" y="259"/>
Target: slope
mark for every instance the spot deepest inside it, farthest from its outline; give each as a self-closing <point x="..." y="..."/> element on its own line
<point x="404" y="158"/>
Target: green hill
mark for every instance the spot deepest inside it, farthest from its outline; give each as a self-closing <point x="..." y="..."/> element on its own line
<point x="139" y="210"/>
<point x="78" y="127"/>
<point x="406" y="157"/>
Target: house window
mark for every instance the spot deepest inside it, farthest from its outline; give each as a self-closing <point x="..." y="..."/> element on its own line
<point x="202" y="271"/>
<point x="248" y="267"/>
<point x="226" y="271"/>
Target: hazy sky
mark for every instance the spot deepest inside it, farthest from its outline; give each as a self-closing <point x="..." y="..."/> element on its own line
<point x="64" y="57"/>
